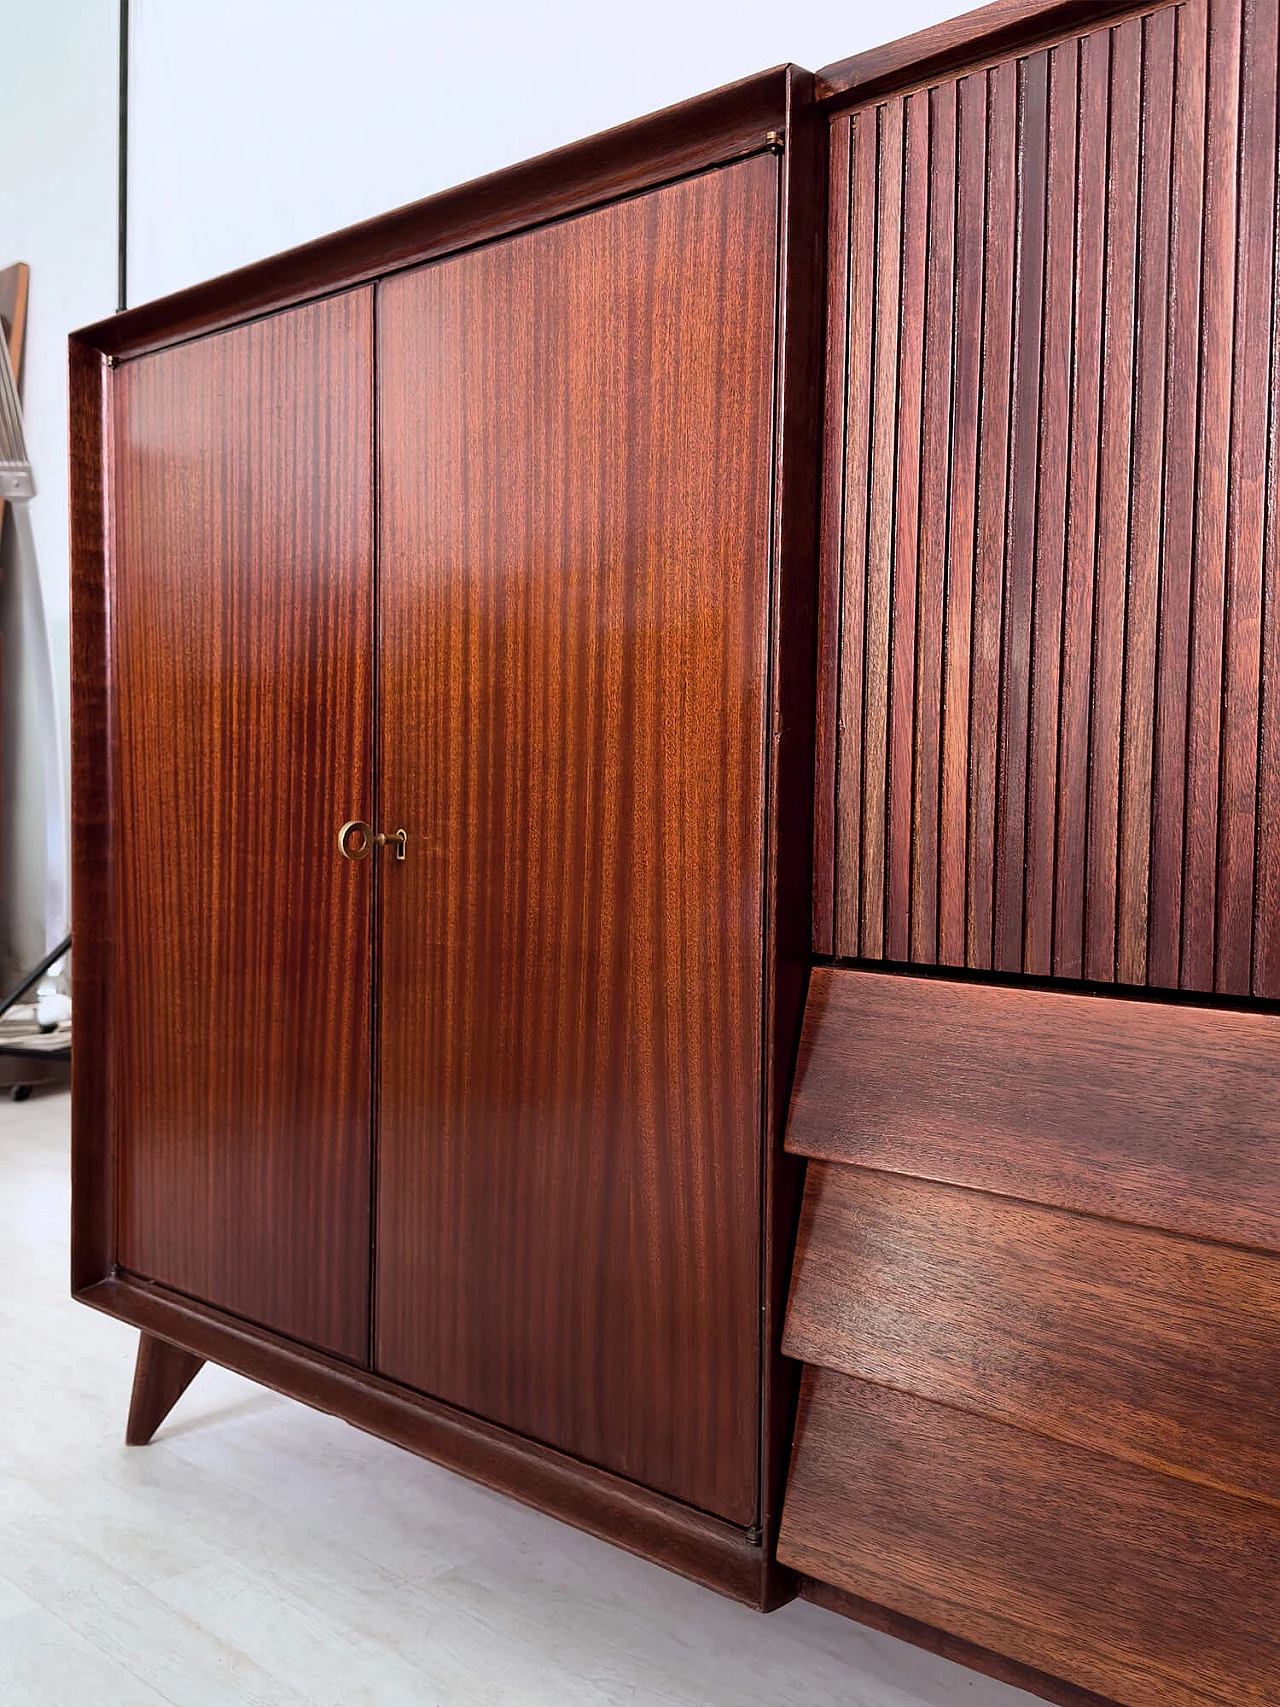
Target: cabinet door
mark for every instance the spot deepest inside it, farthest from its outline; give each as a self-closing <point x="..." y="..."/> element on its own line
<point x="574" y="584"/>
<point x="243" y="588"/>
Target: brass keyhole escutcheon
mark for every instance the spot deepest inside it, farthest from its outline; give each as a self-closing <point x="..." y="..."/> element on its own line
<point x="356" y="840"/>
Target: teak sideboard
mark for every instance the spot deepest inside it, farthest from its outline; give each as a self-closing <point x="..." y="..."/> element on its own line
<point x="677" y="839"/>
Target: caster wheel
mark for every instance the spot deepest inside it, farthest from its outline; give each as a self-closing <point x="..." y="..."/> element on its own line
<point x="20" y="1093"/>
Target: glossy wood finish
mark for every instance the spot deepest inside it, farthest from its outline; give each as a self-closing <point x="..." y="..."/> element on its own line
<point x="955" y="1648"/>
<point x="671" y="1534"/>
<point x="1157" y="1592"/>
<point x="726" y="123"/>
<point x="1165" y="1349"/>
<point x="574" y="570"/>
<point x="1136" y="1110"/>
<point x="242" y="696"/>
<point x="987" y="33"/>
<point x="1055" y="526"/>
<point x="161" y="1376"/>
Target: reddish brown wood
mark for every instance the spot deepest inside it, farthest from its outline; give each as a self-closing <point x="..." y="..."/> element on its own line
<point x="1147" y="477"/>
<point x="1247" y="499"/>
<point x="93" y="921"/>
<point x="1160" y="1348"/>
<point x="953" y="827"/>
<point x="688" y="1542"/>
<point x="906" y="528"/>
<point x="832" y="599"/>
<point x="161" y="1376"/>
<point x="1082" y="511"/>
<point x="1169" y="776"/>
<point x="934" y="494"/>
<point x="861" y="261"/>
<point x="1154" y="1591"/>
<point x="242" y="691"/>
<point x="574" y="568"/>
<point x="1212" y="475"/>
<point x="873" y="729"/>
<point x="727" y="123"/>
<point x="1052" y="464"/>
<point x="1138" y="1110"/>
<point x="989" y="32"/>
<point x="948" y="1647"/>
<point x="1024" y="467"/>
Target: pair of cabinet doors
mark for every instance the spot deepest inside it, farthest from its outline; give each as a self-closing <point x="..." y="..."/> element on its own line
<point x="481" y="553"/>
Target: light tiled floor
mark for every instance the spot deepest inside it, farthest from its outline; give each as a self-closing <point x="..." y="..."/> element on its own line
<point x="261" y="1555"/>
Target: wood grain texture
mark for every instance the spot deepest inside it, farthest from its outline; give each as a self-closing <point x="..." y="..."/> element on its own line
<point x="670" y="1534"/>
<point x="949" y="1647"/>
<point x="161" y="1376"/>
<point x="989" y="32"/>
<point x="1107" y="676"/>
<point x="1152" y="1591"/>
<point x="93" y="926"/>
<point x="242" y="700"/>
<point x="575" y="586"/>
<point x="1163" y="1348"/>
<point x="1139" y="1111"/>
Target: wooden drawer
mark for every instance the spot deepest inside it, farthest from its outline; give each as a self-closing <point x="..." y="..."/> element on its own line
<point x="1141" y="1111"/>
<point x="1152" y="1591"/>
<point x="1160" y="1349"/>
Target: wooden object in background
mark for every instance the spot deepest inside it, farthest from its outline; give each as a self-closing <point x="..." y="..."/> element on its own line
<point x="590" y="649"/>
<point x="162" y="1375"/>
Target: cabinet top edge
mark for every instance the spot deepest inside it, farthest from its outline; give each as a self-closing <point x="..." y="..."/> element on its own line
<point x="994" y="31"/>
<point x="697" y="134"/>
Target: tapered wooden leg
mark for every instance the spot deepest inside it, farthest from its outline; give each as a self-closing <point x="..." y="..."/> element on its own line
<point x="161" y="1376"/>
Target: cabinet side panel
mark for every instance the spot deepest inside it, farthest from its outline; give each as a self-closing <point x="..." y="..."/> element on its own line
<point x="575" y="443"/>
<point x="243" y="715"/>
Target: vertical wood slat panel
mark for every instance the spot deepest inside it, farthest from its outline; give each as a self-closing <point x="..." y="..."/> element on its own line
<point x="1204" y="699"/>
<point x="862" y="290"/>
<point x="1051" y="513"/>
<point x="832" y="593"/>
<point x="1147" y="470"/>
<point x="906" y="532"/>
<point x="933" y="566"/>
<point x="1113" y="500"/>
<point x="1062" y="748"/>
<point x="882" y="506"/>
<point x="1024" y="456"/>
<point x="1177" y="543"/>
<point x="993" y="474"/>
<point x="1082" y="507"/>
<point x="971" y="175"/>
<point x="1246" y="500"/>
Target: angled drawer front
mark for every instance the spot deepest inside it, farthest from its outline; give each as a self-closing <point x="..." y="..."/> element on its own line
<point x="1037" y="1299"/>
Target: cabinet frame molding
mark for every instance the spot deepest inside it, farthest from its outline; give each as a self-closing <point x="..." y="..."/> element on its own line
<point x="772" y="112"/>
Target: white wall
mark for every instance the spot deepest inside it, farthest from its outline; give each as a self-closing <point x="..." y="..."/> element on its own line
<point x="58" y="213"/>
<point x="258" y="124"/>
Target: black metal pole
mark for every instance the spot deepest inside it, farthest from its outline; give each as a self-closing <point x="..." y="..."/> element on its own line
<point x="122" y="167"/>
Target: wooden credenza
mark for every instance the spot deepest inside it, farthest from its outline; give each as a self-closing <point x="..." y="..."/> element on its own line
<point x="765" y="619"/>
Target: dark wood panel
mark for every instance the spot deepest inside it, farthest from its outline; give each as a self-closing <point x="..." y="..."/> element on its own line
<point x="725" y="124"/>
<point x="949" y="1647"/>
<point x="1164" y="1348"/>
<point x="1107" y="683"/>
<point x="575" y="551"/>
<point x="242" y="646"/>
<point x="1115" y="1578"/>
<point x="1137" y="1110"/>
<point x="989" y="32"/>
<point x="93" y="927"/>
<point x="662" y="1530"/>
